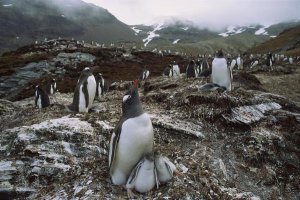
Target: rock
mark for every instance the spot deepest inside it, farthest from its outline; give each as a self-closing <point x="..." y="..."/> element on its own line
<point x="250" y="114"/>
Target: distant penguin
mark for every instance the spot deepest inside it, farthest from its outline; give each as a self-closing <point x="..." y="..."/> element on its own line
<point x="145" y="74"/>
<point x="165" y="169"/>
<point x="51" y="87"/>
<point x="221" y="73"/>
<point x="132" y="137"/>
<point x="205" y="68"/>
<point x="269" y="61"/>
<point x="143" y="177"/>
<point x="100" y="85"/>
<point x="85" y="92"/>
<point x="232" y="64"/>
<point x="253" y="63"/>
<point x="291" y="60"/>
<point x="168" y="71"/>
<point x="176" y="69"/>
<point x="41" y="98"/>
<point x="239" y="62"/>
<point x="191" y="71"/>
<point x="198" y="67"/>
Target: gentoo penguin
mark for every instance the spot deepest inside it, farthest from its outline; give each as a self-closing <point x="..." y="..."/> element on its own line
<point x="291" y="60"/>
<point x="100" y="85"/>
<point x="205" y="68"/>
<point x="41" y="98"/>
<point x="132" y="137"/>
<point x="232" y="64"/>
<point x="165" y="168"/>
<point x="253" y="63"/>
<point x="198" y="67"/>
<point x="143" y="177"/>
<point x="145" y="74"/>
<point x="168" y="71"/>
<point x="176" y="69"/>
<point x="51" y="87"/>
<point x="85" y="92"/>
<point x="239" y="62"/>
<point x="191" y="71"/>
<point x="269" y="61"/>
<point x="221" y="73"/>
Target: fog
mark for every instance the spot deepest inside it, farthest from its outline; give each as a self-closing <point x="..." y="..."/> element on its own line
<point x="213" y="14"/>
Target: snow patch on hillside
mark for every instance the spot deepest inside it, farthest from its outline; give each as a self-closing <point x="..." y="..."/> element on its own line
<point x="185" y="28"/>
<point x="262" y="31"/>
<point x="232" y="30"/>
<point x="176" y="41"/>
<point x="7" y="5"/>
<point x="152" y="34"/>
<point x="136" y="30"/>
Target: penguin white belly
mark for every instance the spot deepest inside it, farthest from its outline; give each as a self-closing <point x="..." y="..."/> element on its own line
<point x="163" y="172"/>
<point x="91" y="87"/>
<point x="39" y="102"/>
<point x="176" y="70"/>
<point x="82" y="103"/>
<point x="51" y="89"/>
<point x="145" y="180"/>
<point x="221" y="73"/>
<point x="136" y="139"/>
<point x="147" y="74"/>
<point x="99" y="90"/>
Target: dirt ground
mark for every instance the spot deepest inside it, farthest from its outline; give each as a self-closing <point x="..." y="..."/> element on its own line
<point x="287" y="85"/>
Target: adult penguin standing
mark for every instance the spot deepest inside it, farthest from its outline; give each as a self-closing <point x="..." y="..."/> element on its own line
<point x="191" y="71"/>
<point x="85" y="92"/>
<point x="100" y="85"/>
<point x="41" y="98"/>
<point x="131" y="139"/>
<point x="221" y="73"/>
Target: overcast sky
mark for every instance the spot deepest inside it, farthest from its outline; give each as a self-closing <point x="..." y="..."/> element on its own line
<point x="205" y="13"/>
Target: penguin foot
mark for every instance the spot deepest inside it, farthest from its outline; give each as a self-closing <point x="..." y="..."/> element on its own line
<point x="177" y="173"/>
<point x="130" y="193"/>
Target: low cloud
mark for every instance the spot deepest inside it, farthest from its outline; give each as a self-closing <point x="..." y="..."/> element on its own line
<point x="213" y="14"/>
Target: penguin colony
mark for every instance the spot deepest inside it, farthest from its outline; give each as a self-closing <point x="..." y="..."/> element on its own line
<point x="132" y="160"/>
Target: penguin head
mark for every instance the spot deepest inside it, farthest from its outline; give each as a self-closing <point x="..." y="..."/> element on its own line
<point x="87" y="71"/>
<point x="192" y="62"/>
<point x="131" y="100"/>
<point x="220" y="54"/>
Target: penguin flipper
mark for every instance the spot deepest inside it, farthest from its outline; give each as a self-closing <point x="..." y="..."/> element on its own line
<point x="114" y="143"/>
<point x="133" y="174"/>
<point x="86" y="93"/>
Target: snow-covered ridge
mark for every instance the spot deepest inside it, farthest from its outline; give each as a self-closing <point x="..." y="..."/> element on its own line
<point x="232" y="30"/>
<point x="185" y="28"/>
<point x="152" y="34"/>
<point x="136" y="30"/>
<point x="262" y="31"/>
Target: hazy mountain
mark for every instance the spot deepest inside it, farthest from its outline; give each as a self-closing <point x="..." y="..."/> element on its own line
<point x="183" y="36"/>
<point x="24" y="21"/>
<point x="287" y="42"/>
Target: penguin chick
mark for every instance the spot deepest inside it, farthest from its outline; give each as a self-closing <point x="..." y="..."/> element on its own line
<point x="143" y="177"/>
<point x="131" y="139"/>
<point x="165" y="168"/>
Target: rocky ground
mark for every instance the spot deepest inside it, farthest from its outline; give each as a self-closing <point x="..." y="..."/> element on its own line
<point x="242" y="144"/>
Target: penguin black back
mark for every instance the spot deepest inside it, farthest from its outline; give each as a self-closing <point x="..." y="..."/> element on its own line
<point x="190" y="70"/>
<point x="81" y="81"/>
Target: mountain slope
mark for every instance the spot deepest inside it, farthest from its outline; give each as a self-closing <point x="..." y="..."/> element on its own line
<point x="183" y="36"/>
<point x="23" y="22"/>
<point x="287" y="42"/>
